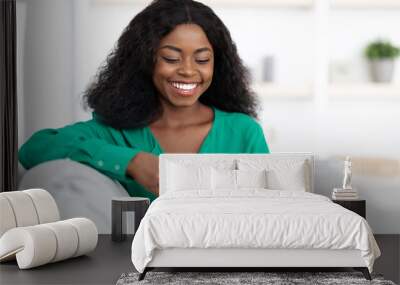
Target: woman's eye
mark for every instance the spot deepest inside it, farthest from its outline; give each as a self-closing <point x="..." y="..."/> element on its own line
<point x="170" y="60"/>
<point x="202" y="61"/>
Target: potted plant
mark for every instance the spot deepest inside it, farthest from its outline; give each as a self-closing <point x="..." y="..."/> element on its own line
<point x="381" y="55"/>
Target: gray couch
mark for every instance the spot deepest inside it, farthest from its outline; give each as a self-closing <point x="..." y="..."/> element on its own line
<point x="79" y="190"/>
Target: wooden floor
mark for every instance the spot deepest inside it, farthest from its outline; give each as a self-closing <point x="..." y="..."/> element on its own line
<point x="110" y="260"/>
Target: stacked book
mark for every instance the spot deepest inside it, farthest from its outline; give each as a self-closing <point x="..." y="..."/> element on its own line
<point x="344" y="194"/>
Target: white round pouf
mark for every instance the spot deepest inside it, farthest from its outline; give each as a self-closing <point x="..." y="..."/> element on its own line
<point x="40" y="244"/>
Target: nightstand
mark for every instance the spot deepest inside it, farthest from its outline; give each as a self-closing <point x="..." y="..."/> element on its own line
<point x="119" y="205"/>
<point x="357" y="206"/>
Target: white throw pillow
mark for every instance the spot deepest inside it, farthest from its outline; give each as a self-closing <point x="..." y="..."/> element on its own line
<point x="181" y="177"/>
<point x="226" y="179"/>
<point x="282" y="174"/>
<point x="223" y="179"/>
<point x="251" y="179"/>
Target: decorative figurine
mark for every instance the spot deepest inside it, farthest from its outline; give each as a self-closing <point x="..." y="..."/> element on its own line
<point x="347" y="174"/>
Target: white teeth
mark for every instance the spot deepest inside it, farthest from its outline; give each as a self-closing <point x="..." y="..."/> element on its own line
<point x="184" y="86"/>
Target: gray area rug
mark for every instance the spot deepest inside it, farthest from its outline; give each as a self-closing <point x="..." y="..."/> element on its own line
<point x="269" y="278"/>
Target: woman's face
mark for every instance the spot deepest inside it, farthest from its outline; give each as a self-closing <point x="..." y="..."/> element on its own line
<point x="184" y="65"/>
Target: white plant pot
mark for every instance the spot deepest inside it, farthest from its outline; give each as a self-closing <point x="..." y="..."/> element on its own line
<point x="382" y="70"/>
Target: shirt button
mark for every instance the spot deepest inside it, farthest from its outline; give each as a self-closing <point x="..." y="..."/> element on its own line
<point x="117" y="167"/>
<point x="100" y="163"/>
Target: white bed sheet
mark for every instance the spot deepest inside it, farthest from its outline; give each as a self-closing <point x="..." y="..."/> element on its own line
<point x="250" y="218"/>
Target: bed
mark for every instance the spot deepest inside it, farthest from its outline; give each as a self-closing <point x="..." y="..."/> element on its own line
<point x="247" y="211"/>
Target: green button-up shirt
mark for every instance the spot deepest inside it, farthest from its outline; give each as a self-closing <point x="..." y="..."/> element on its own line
<point x="110" y="150"/>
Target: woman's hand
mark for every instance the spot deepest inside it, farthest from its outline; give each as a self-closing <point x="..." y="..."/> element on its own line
<point x="143" y="168"/>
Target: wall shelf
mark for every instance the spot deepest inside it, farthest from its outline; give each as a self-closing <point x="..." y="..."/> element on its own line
<point x="365" y="4"/>
<point x="365" y="90"/>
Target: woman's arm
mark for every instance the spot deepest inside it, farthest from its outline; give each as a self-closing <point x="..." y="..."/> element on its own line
<point x="80" y="142"/>
<point x="144" y="169"/>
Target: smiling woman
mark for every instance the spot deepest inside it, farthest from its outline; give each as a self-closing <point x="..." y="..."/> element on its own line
<point x="183" y="72"/>
<point x="173" y="84"/>
<point x="182" y="68"/>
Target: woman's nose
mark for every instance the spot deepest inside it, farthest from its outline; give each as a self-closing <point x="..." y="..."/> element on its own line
<point x="186" y="68"/>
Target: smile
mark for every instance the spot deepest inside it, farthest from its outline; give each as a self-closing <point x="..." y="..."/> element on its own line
<point x="184" y="86"/>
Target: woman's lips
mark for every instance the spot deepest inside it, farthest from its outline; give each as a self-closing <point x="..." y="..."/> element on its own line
<point x="184" y="89"/>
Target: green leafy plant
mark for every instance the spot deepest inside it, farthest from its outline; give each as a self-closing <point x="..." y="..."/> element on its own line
<point x="380" y="49"/>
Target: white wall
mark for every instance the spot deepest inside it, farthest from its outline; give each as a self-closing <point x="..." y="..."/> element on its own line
<point x="47" y="63"/>
<point x="66" y="41"/>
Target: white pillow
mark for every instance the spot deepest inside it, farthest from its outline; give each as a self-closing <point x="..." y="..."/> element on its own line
<point x="251" y="178"/>
<point x="293" y="180"/>
<point x="228" y="179"/>
<point x="223" y="179"/>
<point x="282" y="174"/>
<point x="181" y="177"/>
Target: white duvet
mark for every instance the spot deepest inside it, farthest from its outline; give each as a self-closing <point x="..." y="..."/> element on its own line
<point x="251" y="218"/>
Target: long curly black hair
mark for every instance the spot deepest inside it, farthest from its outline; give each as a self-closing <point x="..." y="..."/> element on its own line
<point x="123" y="94"/>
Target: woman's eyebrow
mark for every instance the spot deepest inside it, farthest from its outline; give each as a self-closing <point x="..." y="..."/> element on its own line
<point x="180" y="50"/>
